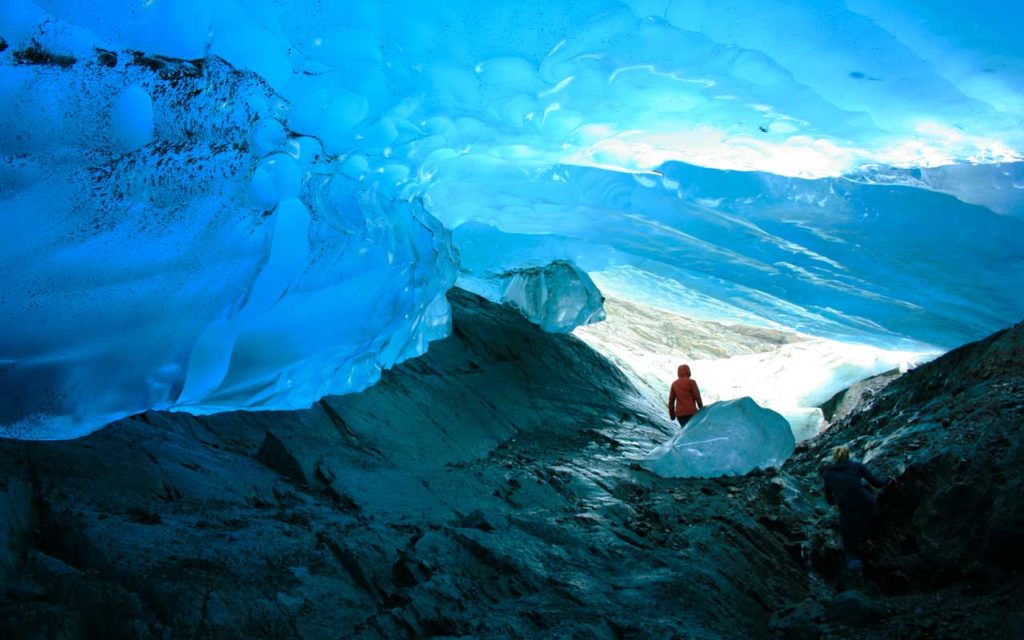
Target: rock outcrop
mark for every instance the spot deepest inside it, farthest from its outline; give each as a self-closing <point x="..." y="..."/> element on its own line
<point x="490" y="489"/>
<point x="856" y="395"/>
<point x="945" y="557"/>
<point x="484" y="489"/>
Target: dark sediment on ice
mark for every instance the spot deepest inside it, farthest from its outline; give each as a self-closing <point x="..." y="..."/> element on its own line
<point x="487" y="489"/>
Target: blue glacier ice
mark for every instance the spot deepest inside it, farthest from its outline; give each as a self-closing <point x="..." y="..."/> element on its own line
<point x="725" y="438"/>
<point x="557" y="296"/>
<point x="190" y="253"/>
<point x="216" y="205"/>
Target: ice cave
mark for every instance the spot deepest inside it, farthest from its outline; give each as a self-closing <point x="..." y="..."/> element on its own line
<point x="383" y="293"/>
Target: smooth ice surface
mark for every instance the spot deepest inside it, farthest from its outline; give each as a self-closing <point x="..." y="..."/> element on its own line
<point x="214" y="205"/>
<point x="725" y="438"/>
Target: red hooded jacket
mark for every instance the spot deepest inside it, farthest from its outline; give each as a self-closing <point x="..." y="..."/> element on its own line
<point x="684" y="398"/>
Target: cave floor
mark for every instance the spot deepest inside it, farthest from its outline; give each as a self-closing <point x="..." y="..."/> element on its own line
<point x="490" y="489"/>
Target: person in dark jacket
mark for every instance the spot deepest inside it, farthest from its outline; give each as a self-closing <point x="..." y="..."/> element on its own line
<point x="684" y="397"/>
<point x="844" y="487"/>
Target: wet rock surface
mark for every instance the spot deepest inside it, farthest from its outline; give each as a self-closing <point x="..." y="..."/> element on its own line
<point x="853" y="397"/>
<point x="490" y="489"/>
<point x="944" y="555"/>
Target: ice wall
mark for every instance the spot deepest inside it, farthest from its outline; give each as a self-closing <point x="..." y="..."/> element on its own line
<point x="190" y="189"/>
<point x="171" y="244"/>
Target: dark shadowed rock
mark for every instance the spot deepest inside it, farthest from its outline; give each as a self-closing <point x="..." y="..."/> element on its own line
<point x="952" y="433"/>
<point x="800" y="623"/>
<point x="852" y="608"/>
<point x="276" y="456"/>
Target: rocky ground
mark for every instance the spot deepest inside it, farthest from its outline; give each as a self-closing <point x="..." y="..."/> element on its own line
<point x="948" y="545"/>
<point x="488" y="489"/>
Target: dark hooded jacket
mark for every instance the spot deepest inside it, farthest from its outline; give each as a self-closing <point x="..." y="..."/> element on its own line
<point x="684" y="397"/>
<point x="843" y="487"/>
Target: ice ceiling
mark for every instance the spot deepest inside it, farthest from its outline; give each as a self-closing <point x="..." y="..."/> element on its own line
<point x="216" y="205"/>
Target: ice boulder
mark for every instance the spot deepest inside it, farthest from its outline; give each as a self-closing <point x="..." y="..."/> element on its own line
<point x="729" y="437"/>
<point x="558" y="296"/>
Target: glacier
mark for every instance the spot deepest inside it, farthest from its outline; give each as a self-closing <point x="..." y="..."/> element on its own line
<point x="249" y="205"/>
<point x="191" y="254"/>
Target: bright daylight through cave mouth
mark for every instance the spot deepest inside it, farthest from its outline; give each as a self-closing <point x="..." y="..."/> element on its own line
<point x="605" y="319"/>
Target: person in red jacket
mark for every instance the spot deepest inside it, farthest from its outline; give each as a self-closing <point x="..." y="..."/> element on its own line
<point x="684" y="397"/>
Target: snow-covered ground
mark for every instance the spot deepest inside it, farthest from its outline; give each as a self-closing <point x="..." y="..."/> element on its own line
<point x="790" y="373"/>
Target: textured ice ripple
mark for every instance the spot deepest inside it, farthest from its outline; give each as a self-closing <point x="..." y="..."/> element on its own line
<point x="199" y="256"/>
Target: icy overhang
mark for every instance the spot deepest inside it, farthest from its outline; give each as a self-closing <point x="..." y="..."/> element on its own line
<point x="849" y="169"/>
<point x="807" y="89"/>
